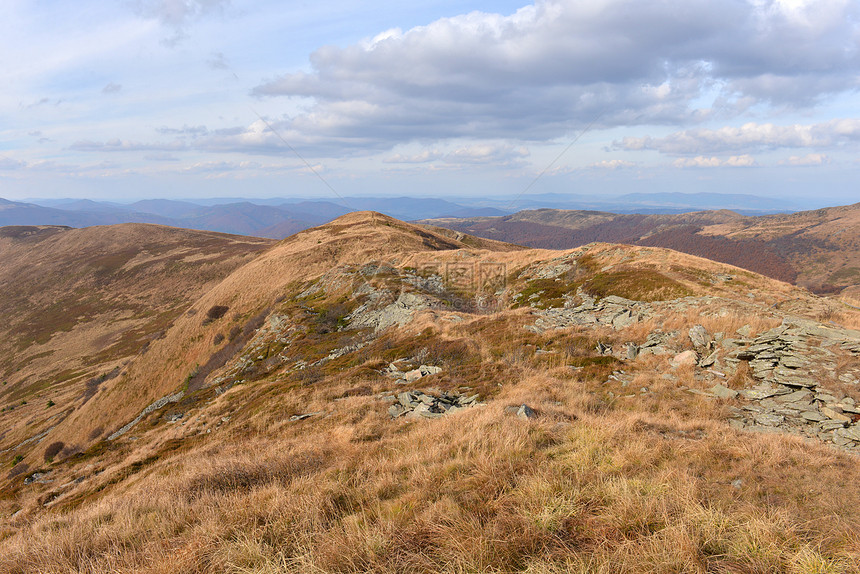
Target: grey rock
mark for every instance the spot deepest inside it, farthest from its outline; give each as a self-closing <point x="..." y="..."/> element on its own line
<point x="795" y="396"/>
<point x="699" y="337"/>
<point x="835" y="415"/>
<point x="723" y="392"/>
<point x="709" y="360"/>
<point x="813" y="416"/>
<point x="302" y="417"/>
<point x="624" y="319"/>
<point x="526" y="412"/>
<point x="615" y="300"/>
<point x="768" y="419"/>
<point x="427" y="370"/>
<point x="852" y="432"/>
<point x="793" y="362"/>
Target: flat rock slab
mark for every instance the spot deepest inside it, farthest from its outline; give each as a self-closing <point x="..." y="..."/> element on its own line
<point x="723" y="392"/>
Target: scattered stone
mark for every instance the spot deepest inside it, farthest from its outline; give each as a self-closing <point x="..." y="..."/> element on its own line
<point x="813" y="416"/>
<point x="768" y="419"/>
<point x="723" y="392"/>
<point x="36" y="477"/>
<point x="302" y="417"/>
<point x="414" y="404"/>
<point x="632" y="351"/>
<point x="834" y="415"/>
<point x="685" y="358"/>
<point x="521" y="411"/>
<point x="699" y="337"/>
<point x="709" y="360"/>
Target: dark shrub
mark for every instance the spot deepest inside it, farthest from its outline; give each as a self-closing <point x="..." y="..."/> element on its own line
<point x="215" y="312"/>
<point x="53" y="450"/>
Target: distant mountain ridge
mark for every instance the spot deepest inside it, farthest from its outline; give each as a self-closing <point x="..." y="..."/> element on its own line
<point x="273" y="219"/>
<point x="818" y="249"/>
<point x="277" y="218"/>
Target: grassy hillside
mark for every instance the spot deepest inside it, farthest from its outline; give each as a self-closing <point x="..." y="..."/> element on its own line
<point x="374" y="396"/>
<point x="79" y="304"/>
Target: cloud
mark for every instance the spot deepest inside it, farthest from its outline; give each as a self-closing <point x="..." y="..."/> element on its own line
<point x="111" y="88"/>
<point x="613" y="164"/>
<point x="748" y="137"/>
<point x="423" y="157"/>
<point x="808" y="160"/>
<point x="178" y="15"/>
<point x="218" y="61"/>
<point x="185" y="130"/>
<point x="701" y="161"/>
<point x="119" y="145"/>
<point x="488" y="153"/>
<point x="7" y="163"/>
<point x="163" y="156"/>
<point x="552" y="68"/>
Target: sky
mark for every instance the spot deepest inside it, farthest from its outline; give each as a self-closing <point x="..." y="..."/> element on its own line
<point x="129" y="99"/>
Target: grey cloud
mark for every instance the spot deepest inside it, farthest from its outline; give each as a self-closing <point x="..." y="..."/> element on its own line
<point x="748" y="137"/>
<point x="218" y="62"/>
<point x="111" y="88"/>
<point x="119" y="145"/>
<point x="185" y="130"/>
<point x="551" y="68"/>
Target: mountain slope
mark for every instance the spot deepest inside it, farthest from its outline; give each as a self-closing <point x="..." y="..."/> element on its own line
<point x="819" y="249"/>
<point x="78" y="303"/>
<point x="372" y="395"/>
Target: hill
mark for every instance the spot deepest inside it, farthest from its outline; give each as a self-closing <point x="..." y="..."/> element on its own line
<point x="819" y="250"/>
<point x="373" y="395"/>
<point x="78" y="304"/>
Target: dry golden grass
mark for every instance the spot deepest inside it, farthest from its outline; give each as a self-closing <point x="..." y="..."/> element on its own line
<point x="574" y="490"/>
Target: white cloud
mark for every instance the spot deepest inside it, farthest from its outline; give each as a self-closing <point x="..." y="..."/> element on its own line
<point x="551" y="68"/>
<point x="750" y="136"/>
<point x="701" y="161"/>
<point x="612" y="164"/>
<point x="488" y="153"/>
<point x="422" y="157"/>
<point x="807" y="160"/>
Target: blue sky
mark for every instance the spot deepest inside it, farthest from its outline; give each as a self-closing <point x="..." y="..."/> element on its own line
<point x="201" y="98"/>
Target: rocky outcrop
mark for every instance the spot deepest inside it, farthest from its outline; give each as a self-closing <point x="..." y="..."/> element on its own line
<point x="410" y="375"/>
<point x="798" y="368"/>
<point x="175" y="398"/>
<point x="418" y="404"/>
